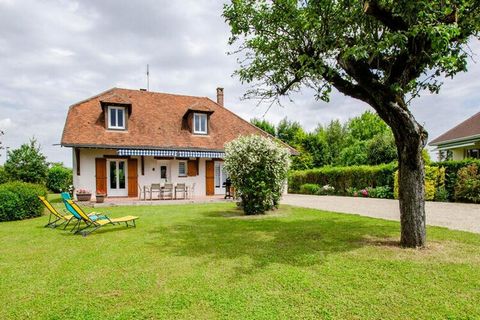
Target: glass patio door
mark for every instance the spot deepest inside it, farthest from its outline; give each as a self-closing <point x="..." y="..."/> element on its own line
<point x="117" y="178"/>
<point x="220" y="177"/>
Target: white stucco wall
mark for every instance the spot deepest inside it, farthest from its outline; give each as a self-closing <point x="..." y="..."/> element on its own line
<point x="458" y="154"/>
<point x="152" y="174"/>
<point x="86" y="179"/>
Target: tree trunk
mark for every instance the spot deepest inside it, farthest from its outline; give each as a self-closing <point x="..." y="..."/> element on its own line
<point x="411" y="177"/>
<point x="410" y="138"/>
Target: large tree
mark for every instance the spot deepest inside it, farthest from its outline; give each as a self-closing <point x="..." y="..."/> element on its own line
<point x="382" y="52"/>
<point x="27" y="163"/>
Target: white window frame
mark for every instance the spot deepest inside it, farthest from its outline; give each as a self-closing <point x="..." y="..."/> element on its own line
<point x="182" y="174"/>
<point x="116" y="126"/>
<point x="200" y="116"/>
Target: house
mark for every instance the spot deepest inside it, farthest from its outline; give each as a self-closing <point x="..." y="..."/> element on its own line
<point x="123" y="140"/>
<point x="462" y="140"/>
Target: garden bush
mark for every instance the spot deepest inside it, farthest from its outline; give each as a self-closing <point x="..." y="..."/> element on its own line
<point x="19" y="200"/>
<point x="3" y="175"/>
<point x="434" y="181"/>
<point x="309" y="188"/>
<point x="257" y="167"/>
<point x="382" y="192"/>
<point x="27" y="163"/>
<point x="451" y="170"/>
<point x="343" y="179"/>
<point x="59" y="178"/>
<point x="467" y="187"/>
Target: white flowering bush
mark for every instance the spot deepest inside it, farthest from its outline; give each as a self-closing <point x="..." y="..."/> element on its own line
<point x="258" y="168"/>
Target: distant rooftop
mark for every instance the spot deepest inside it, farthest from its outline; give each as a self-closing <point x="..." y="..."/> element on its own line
<point x="463" y="131"/>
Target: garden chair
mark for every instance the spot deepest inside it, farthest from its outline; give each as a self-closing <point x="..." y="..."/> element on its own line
<point x="167" y="190"/>
<point x="55" y="216"/>
<point x="181" y="188"/>
<point x="155" y="187"/>
<point x="191" y="191"/>
<point x="66" y="197"/>
<point x="94" y="223"/>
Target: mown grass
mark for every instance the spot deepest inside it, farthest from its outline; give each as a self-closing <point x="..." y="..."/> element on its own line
<point x="208" y="261"/>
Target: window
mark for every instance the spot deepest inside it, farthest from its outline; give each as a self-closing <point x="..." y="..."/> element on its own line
<point x="200" y="123"/>
<point x="182" y="169"/>
<point x="116" y="117"/>
<point x="473" y="153"/>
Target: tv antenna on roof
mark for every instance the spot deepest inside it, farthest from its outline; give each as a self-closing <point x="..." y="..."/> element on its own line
<point x="148" y="79"/>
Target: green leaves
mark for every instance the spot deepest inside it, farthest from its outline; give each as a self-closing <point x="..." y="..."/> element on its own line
<point x="389" y="44"/>
<point x="257" y="167"/>
<point x="27" y="163"/>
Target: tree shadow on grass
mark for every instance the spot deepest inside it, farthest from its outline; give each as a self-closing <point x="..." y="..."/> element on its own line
<point x="278" y="238"/>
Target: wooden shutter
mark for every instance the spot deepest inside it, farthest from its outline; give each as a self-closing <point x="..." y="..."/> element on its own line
<point x="210" y="177"/>
<point x="77" y="160"/>
<point x="192" y="167"/>
<point x="132" y="178"/>
<point x="101" y="175"/>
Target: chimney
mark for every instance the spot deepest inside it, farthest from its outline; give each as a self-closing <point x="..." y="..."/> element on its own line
<point x="220" y="96"/>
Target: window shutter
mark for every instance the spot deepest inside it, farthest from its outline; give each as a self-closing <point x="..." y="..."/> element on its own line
<point x="192" y="168"/>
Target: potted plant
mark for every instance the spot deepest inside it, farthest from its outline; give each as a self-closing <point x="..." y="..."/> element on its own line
<point x="100" y="196"/>
<point x="83" y="195"/>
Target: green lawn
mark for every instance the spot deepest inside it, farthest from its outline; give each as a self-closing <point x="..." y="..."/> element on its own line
<point x="209" y="261"/>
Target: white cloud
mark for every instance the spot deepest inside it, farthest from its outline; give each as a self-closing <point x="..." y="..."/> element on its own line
<point x="6" y="124"/>
<point x="54" y="53"/>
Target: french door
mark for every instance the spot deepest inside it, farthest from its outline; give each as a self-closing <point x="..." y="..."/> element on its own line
<point x="220" y="177"/>
<point x="117" y="178"/>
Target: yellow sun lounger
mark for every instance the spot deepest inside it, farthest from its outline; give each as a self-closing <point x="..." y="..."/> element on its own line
<point x="55" y="216"/>
<point x="92" y="223"/>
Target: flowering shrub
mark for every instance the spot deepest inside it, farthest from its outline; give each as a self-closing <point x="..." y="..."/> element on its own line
<point x="467" y="187"/>
<point x="70" y="190"/>
<point x="258" y="169"/>
<point x="83" y="191"/>
<point x="364" y="192"/>
<point x="327" y="189"/>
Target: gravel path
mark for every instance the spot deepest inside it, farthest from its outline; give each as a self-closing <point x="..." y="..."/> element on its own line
<point x="459" y="216"/>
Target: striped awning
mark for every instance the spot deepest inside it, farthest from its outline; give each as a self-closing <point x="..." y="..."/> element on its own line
<point x="170" y="153"/>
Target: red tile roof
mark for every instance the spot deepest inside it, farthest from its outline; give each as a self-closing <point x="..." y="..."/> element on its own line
<point x="466" y="129"/>
<point x="155" y="121"/>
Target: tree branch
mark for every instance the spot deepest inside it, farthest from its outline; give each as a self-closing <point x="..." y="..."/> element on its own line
<point x="394" y="23"/>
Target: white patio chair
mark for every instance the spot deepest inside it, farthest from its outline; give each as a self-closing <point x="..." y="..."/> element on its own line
<point x="181" y="188"/>
<point x="191" y="191"/>
<point x="166" y="190"/>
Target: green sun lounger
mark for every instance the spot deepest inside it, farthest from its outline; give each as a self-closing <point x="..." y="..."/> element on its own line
<point x="93" y="223"/>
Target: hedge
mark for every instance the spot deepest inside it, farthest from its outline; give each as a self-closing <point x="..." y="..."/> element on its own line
<point x="440" y="184"/>
<point x="59" y="178"/>
<point x="343" y="178"/>
<point x="19" y="200"/>
<point x="451" y="171"/>
<point x="467" y="187"/>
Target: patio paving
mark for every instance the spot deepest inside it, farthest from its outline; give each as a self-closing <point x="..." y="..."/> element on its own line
<point x="459" y="216"/>
<point x="111" y="202"/>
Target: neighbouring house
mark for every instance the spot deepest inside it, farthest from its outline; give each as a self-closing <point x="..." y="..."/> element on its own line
<point x="462" y="140"/>
<point x="123" y="140"/>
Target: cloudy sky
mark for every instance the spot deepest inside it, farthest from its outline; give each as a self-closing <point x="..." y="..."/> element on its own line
<point x="55" y="53"/>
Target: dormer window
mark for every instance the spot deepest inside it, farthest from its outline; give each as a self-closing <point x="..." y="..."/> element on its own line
<point x="116" y="118"/>
<point x="200" y="125"/>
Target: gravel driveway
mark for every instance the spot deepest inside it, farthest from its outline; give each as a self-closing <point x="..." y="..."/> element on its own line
<point x="459" y="216"/>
